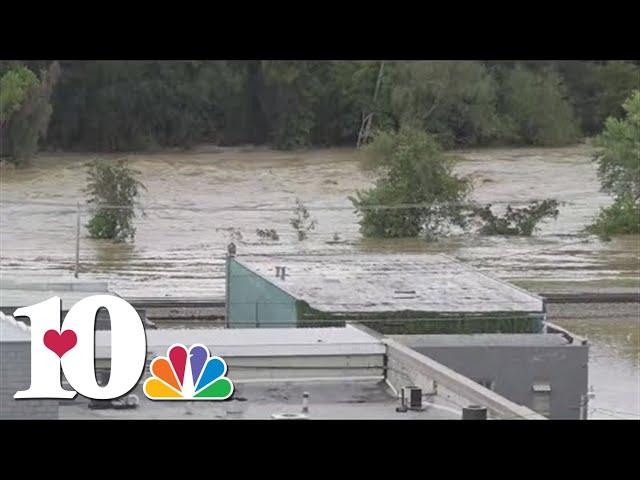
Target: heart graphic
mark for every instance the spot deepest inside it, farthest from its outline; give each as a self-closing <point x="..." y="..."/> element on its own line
<point x="60" y="343"/>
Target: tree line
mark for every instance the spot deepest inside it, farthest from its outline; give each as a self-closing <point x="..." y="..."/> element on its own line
<point x="116" y="106"/>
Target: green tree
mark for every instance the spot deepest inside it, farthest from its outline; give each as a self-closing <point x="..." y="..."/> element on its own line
<point x="15" y="85"/>
<point x="535" y="108"/>
<point x="26" y="110"/>
<point x="598" y="89"/>
<point x="112" y="187"/>
<point x="413" y="171"/>
<point x="301" y="221"/>
<point x="453" y="100"/>
<point x="618" y="161"/>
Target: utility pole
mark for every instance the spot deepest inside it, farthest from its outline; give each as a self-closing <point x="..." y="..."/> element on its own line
<point x="365" y="127"/>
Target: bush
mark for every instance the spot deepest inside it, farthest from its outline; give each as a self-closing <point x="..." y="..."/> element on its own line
<point x="301" y="221"/>
<point x="414" y="171"/>
<point x="516" y="221"/>
<point x="112" y="185"/>
<point x="619" y="171"/>
<point x="620" y="218"/>
<point x="267" y="234"/>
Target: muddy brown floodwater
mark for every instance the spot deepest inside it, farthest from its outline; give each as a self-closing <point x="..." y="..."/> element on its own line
<point x="197" y="202"/>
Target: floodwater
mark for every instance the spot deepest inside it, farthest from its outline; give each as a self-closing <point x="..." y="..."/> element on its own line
<point x="197" y="202"/>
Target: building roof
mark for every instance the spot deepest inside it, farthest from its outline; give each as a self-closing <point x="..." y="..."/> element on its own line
<point x="13" y="331"/>
<point x="260" y="342"/>
<point x="21" y="293"/>
<point x="391" y="282"/>
<point x="365" y="399"/>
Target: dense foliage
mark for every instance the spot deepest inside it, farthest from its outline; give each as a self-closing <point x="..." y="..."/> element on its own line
<point x="519" y="221"/>
<point x="25" y="110"/>
<point x="15" y="85"/>
<point x="112" y="188"/>
<point x="413" y="170"/>
<point x="132" y="105"/>
<point x="417" y="193"/>
<point x="619" y="171"/>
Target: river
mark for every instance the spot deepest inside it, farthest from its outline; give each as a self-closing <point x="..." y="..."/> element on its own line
<point x="197" y="202"/>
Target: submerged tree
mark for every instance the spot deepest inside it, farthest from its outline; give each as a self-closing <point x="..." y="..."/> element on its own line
<point x="516" y="221"/>
<point x="301" y="221"/>
<point x="417" y="191"/>
<point x="113" y="189"/>
<point x="619" y="171"/>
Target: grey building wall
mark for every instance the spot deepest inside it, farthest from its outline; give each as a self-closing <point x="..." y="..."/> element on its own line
<point x="513" y="370"/>
<point x="15" y="374"/>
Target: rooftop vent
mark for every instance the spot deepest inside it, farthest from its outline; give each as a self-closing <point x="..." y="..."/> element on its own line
<point x="281" y="272"/>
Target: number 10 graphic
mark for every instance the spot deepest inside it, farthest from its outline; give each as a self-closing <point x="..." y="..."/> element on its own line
<point x="72" y="347"/>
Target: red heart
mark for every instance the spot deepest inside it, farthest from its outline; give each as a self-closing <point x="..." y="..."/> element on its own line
<point x="60" y="343"/>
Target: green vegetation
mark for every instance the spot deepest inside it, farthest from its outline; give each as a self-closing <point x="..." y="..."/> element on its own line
<point x="413" y="170"/>
<point x="454" y="101"/>
<point x="619" y="170"/>
<point x="25" y="110"/>
<point x="417" y="193"/>
<point x="268" y="234"/>
<point x="535" y="108"/>
<point x="516" y="221"/>
<point x="14" y="88"/>
<point x="301" y="221"/>
<point x="112" y="187"/>
<point x="133" y="105"/>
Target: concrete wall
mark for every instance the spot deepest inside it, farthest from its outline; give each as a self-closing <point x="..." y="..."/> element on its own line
<point x="15" y="374"/>
<point x="513" y="370"/>
<point x="247" y="369"/>
<point x="406" y="366"/>
<point x="254" y="302"/>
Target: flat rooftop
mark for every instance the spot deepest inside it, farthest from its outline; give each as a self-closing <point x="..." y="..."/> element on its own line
<point x="364" y="399"/>
<point x="257" y="342"/>
<point x="388" y="282"/>
<point x="16" y="293"/>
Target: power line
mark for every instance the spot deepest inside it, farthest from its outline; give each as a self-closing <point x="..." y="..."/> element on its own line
<point x="258" y="208"/>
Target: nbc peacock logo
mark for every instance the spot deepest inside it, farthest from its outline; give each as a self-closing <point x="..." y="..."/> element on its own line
<point x="188" y="374"/>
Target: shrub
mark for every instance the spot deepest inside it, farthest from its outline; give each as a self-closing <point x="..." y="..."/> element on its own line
<point x="413" y="171"/>
<point x="619" y="171"/>
<point x="516" y="221"/>
<point x="620" y="218"/>
<point x="113" y="188"/>
<point x="301" y="221"/>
